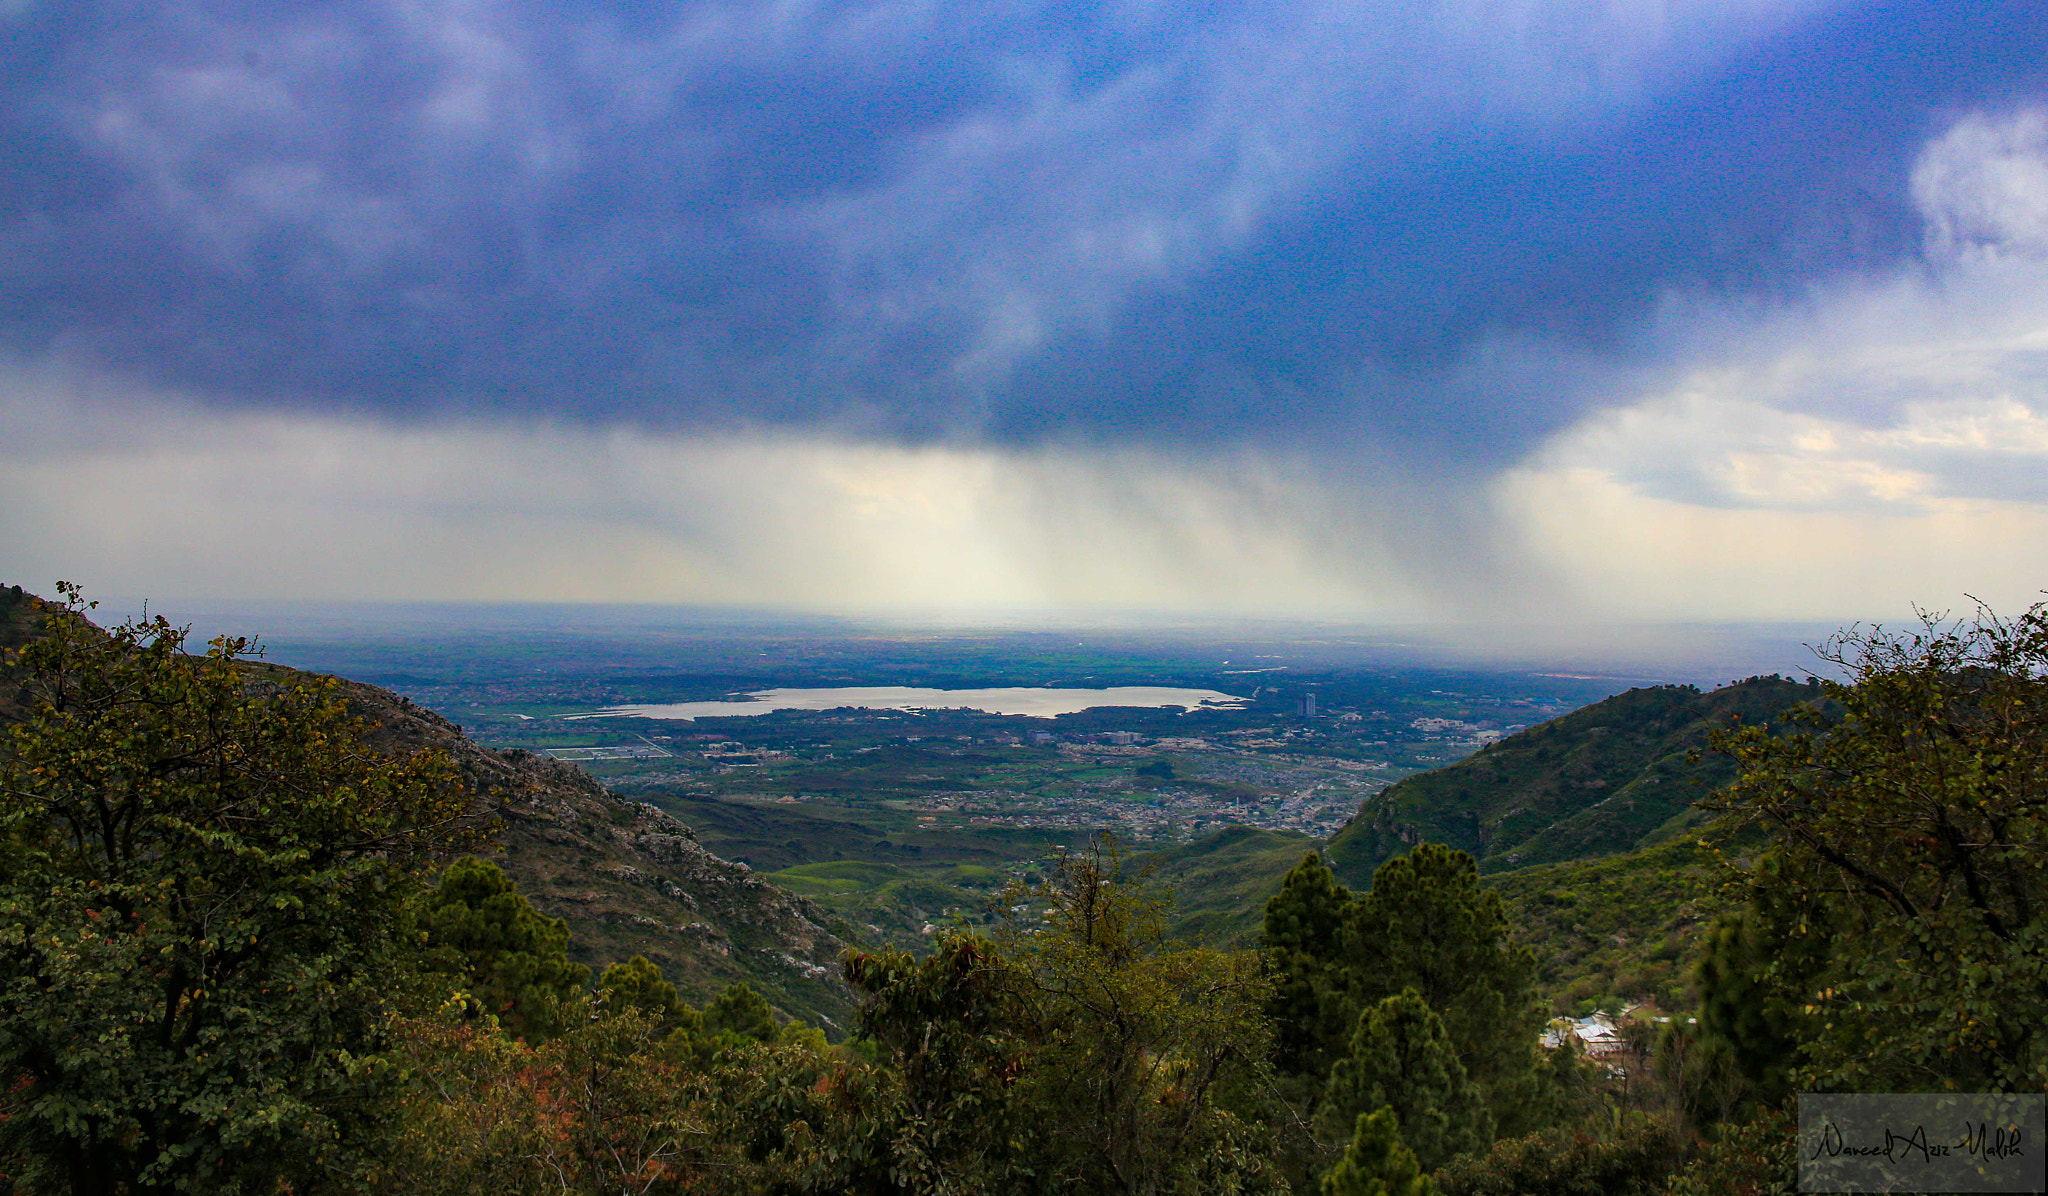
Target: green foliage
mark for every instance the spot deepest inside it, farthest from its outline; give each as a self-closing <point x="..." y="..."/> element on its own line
<point x="1376" y="1163"/>
<point x="741" y="1011"/>
<point x="1905" y="896"/>
<point x="1141" y="1050"/>
<point x="1428" y="926"/>
<point x="1743" y="1019"/>
<point x="1620" y="926"/>
<point x="638" y="984"/>
<point x="1759" y="1157"/>
<point x="955" y="1028"/>
<point x="1620" y="774"/>
<point x="1080" y="1052"/>
<point x="1571" y="1089"/>
<point x="1402" y="1058"/>
<point x="203" y="915"/>
<point x="1303" y="937"/>
<point x="515" y="959"/>
<point x="1635" y="1162"/>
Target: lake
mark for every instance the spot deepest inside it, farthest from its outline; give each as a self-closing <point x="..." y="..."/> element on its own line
<point x="1036" y="702"/>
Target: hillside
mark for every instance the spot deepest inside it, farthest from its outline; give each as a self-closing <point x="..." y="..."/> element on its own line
<point x="1220" y="882"/>
<point x="20" y="617"/>
<point x="1616" y="775"/>
<point x="629" y="878"/>
<point x="1617" y="929"/>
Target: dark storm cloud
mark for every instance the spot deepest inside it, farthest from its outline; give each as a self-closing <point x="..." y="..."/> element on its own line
<point x="1775" y="170"/>
<point x="1161" y="222"/>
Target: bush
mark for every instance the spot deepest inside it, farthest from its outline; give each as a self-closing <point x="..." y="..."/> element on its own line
<point x="1636" y="1162"/>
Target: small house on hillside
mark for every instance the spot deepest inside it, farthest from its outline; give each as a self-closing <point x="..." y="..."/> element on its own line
<point x="1596" y="1035"/>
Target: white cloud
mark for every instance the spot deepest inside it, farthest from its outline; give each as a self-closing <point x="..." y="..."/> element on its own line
<point x="1983" y="186"/>
<point x="1880" y="443"/>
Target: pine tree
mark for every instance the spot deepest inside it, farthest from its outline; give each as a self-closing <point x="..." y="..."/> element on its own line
<point x="1402" y="1058"/>
<point x="1427" y="925"/>
<point x="638" y="984"/>
<point x="1303" y="936"/>
<point x="1742" y="1014"/>
<point x="516" y="960"/>
<point x="742" y="1011"/>
<point x="1377" y="1163"/>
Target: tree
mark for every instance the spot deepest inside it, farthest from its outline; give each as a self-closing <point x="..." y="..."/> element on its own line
<point x="1637" y="1160"/>
<point x="1303" y="936"/>
<point x="742" y="1012"/>
<point x="1427" y="925"/>
<point x="1140" y="1050"/>
<point x="638" y="984"/>
<point x="204" y="913"/>
<point x="1401" y="1058"/>
<point x="1077" y="1052"/>
<point x="1376" y="1163"/>
<point x="953" y="1029"/>
<point x="597" y="1109"/>
<point x="516" y="959"/>
<point x="1745" y="1022"/>
<point x="1902" y="902"/>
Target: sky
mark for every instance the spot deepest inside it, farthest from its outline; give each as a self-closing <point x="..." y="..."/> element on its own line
<point x="1473" y="311"/>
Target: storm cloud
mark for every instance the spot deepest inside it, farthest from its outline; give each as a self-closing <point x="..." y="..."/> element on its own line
<point x="1441" y="224"/>
<point x="1662" y="308"/>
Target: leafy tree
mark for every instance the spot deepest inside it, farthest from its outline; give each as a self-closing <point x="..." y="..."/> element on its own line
<point x="1142" y="1053"/>
<point x="1376" y="1163"/>
<point x="953" y="1029"/>
<point x="1401" y="1058"/>
<point x="597" y="1109"/>
<point x="203" y="914"/>
<point x="1902" y="907"/>
<point x="1758" y="1157"/>
<point x="516" y="958"/>
<point x="638" y="984"/>
<point x="1427" y="925"/>
<point x="1078" y="1052"/>
<point x="1303" y="936"/>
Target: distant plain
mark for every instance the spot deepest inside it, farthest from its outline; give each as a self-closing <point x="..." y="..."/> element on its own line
<point x="901" y="816"/>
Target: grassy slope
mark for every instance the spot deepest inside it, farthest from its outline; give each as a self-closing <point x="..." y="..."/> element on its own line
<point x="1220" y="883"/>
<point x="1599" y="781"/>
<point x="872" y="868"/>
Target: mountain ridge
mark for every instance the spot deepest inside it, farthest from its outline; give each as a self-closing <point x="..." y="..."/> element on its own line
<point x="1612" y="777"/>
<point x="629" y="878"/>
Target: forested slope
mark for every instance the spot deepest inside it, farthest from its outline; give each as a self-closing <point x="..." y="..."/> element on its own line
<point x="1619" y="774"/>
<point x="629" y="878"/>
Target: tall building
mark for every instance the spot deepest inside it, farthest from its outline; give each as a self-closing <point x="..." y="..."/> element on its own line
<point x="1308" y="705"/>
